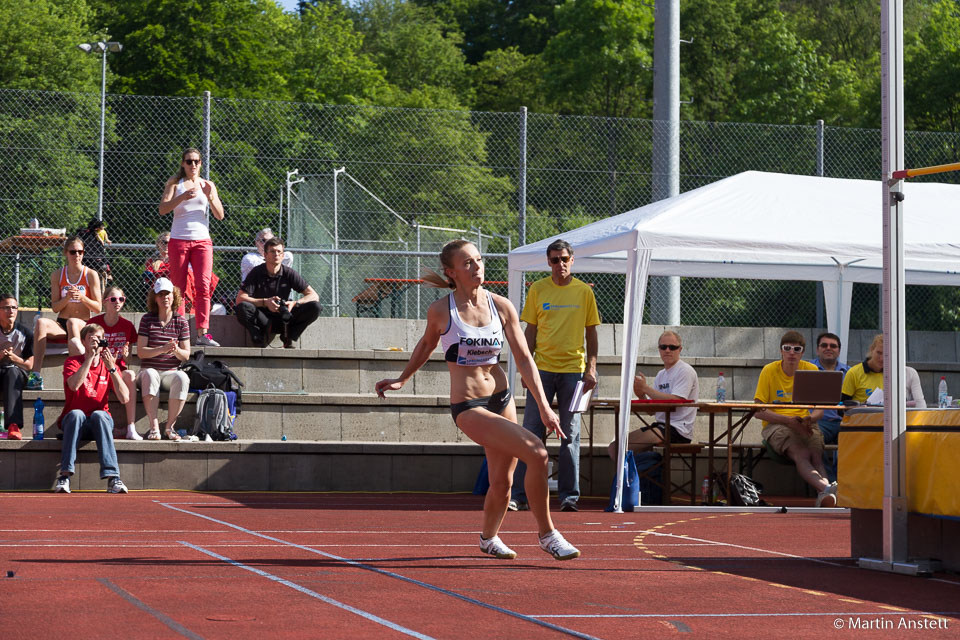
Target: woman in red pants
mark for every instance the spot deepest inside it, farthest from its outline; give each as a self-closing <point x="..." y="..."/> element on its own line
<point x="187" y="195"/>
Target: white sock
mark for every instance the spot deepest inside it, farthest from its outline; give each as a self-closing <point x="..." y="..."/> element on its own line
<point x="132" y="432"/>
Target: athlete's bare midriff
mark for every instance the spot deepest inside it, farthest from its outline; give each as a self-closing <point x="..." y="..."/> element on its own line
<point x="481" y="381"/>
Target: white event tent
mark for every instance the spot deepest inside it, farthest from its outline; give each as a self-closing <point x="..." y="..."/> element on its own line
<point x="766" y="226"/>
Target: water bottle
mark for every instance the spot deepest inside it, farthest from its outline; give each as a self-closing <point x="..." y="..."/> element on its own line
<point x="38" y="419"/>
<point x="705" y="490"/>
<point x="721" y="388"/>
<point x="942" y="393"/>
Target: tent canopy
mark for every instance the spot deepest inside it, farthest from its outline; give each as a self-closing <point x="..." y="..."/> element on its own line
<point x="767" y="226"/>
<point x="772" y="226"/>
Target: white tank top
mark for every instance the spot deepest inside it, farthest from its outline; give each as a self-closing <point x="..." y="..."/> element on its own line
<point x="472" y="346"/>
<point x="190" y="217"/>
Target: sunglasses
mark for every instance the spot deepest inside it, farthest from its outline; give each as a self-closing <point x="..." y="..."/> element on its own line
<point x="75" y="252"/>
<point x="671" y="347"/>
<point x="559" y="259"/>
<point x="191" y="161"/>
<point x="824" y="345"/>
<point x="117" y="299"/>
<point x="787" y="348"/>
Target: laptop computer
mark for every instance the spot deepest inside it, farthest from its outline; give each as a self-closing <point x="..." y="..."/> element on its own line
<point x="817" y="387"/>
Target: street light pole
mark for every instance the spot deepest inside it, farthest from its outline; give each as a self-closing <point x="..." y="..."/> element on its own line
<point x="102" y="47"/>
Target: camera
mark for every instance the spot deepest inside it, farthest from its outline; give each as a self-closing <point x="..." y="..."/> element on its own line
<point x="102" y="343"/>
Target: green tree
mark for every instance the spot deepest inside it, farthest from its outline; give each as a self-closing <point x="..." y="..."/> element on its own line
<point x="932" y="92"/>
<point x="745" y="64"/>
<point x="600" y="61"/>
<point x="488" y="25"/>
<point x="38" y="41"/>
<point x="417" y="50"/>
<point x="185" y="47"/>
<point x="328" y="62"/>
<point x="507" y="79"/>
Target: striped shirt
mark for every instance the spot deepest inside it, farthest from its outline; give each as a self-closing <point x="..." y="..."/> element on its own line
<point x="158" y="335"/>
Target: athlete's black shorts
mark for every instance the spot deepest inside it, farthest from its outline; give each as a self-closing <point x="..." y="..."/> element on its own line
<point x="497" y="403"/>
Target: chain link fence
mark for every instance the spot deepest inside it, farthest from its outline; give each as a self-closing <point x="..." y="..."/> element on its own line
<point x="365" y="196"/>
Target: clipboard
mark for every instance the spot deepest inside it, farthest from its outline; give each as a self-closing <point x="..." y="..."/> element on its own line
<point x="580" y="402"/>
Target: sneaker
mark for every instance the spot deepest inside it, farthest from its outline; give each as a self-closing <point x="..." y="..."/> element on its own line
<point x="518" y="505"/>
<point x="132" y="432"/>
<point x="13" y="432"/>
<point x="287" y="343"/>
<point x="826" y="499"/>
<point x="63" y="485"/>
<point x="513" y="506"/>
<point x="569" y="505"/>
<point x="495" y="547"/>
<point x="115" y="485"/>
<point x="206" y="340"/>
<point x="555" y="544"/>
<point x="34" y="382"/>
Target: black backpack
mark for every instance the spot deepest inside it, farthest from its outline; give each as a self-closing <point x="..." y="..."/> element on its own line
<point x="205" y="373"/>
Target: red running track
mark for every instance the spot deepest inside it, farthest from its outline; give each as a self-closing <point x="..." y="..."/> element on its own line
<point x="239" y="566"/>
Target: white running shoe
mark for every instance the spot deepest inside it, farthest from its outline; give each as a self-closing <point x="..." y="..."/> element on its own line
<point x="206" y="340"/>
<point x="495" y="547"/>
<point x="115" y="485"/>
<point x="826" y="498"/>
<point x="63" y="485"/>
<point x="555" y="544"/>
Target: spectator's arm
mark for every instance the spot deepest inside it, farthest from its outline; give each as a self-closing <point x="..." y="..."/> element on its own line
<point x="75" y="381"/>
<point x="169" y="202"/>
<point x="309" y="295"/>
<point x="590" y="375"/>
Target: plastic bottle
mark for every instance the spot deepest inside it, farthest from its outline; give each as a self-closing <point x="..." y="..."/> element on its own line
<point x="38" y="419"/>
<point x="705" y="490"/>
<point x="721" y="388"/>
<point x="942" y="393"/>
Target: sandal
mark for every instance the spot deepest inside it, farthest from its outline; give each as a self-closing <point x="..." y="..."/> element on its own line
<point x="153" y="434"/>
<point x="172" y="435"/>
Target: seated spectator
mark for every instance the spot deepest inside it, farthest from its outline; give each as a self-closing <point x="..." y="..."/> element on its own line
<point x="95" y="239"/>
<point x="158" y="266"/>
<point x="162" y="344"/>
<point x="828" y="354"/>
<point x="74" y="296"/>
<point x="792" y="433"/>
<point x="863" y="378"/>
<point x="87" y="381"/>
<point x="676" y="381"/>
<point x="120" y="336"/>
<point x="16" y="357"/>
<point x="263" y="304"/>
<point x="255" y="258"/>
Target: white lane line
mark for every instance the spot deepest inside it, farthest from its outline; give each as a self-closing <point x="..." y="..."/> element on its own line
<point x="313" y="594"/>
<point x="791" y="614"/>
<point x="391" y="574"/>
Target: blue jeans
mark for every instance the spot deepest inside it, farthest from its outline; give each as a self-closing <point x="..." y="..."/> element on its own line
<point x="830" y="428"/>
<point x="76" y="425"/>
<point x="561" y="386"/>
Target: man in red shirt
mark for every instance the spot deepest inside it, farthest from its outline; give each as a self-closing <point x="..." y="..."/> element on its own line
<point x="87" y="381"/>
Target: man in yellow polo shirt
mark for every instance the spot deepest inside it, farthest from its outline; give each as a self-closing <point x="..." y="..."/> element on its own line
<point x="560" y="312"/>
<point x="793" y="433"/>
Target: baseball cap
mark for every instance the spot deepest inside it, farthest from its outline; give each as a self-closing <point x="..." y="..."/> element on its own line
<point x="162" y="284"/>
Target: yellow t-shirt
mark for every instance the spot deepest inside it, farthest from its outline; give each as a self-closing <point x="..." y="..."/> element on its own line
<point x="858" y="383"/>
<point x="774" y="386"/>
<point x="560" y="315"/>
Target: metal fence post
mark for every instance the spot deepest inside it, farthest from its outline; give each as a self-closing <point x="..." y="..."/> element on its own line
<point x="820" y="306"/>
<point x="522" y="180"/>
<point x="206" y="136"/>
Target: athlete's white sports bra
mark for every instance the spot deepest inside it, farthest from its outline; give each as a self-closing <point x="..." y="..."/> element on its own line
<point x="472" y="346"/>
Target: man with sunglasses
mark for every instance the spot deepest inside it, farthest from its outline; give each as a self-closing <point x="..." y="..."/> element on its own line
<point x="560" y="312"/>
<point x="789" y="432"/>
<point x="16" y="358"/>
<point x="828" y="359"/>
<point x="676" y="381"/>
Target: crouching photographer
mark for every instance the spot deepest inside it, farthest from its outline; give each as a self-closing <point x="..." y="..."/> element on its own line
<point x="87" y="381"/>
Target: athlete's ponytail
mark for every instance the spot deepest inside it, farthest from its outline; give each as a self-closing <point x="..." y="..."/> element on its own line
<point x="433" y="279"/>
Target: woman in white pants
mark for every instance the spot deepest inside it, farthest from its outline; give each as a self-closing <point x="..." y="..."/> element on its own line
<point x="163" y="343"/>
